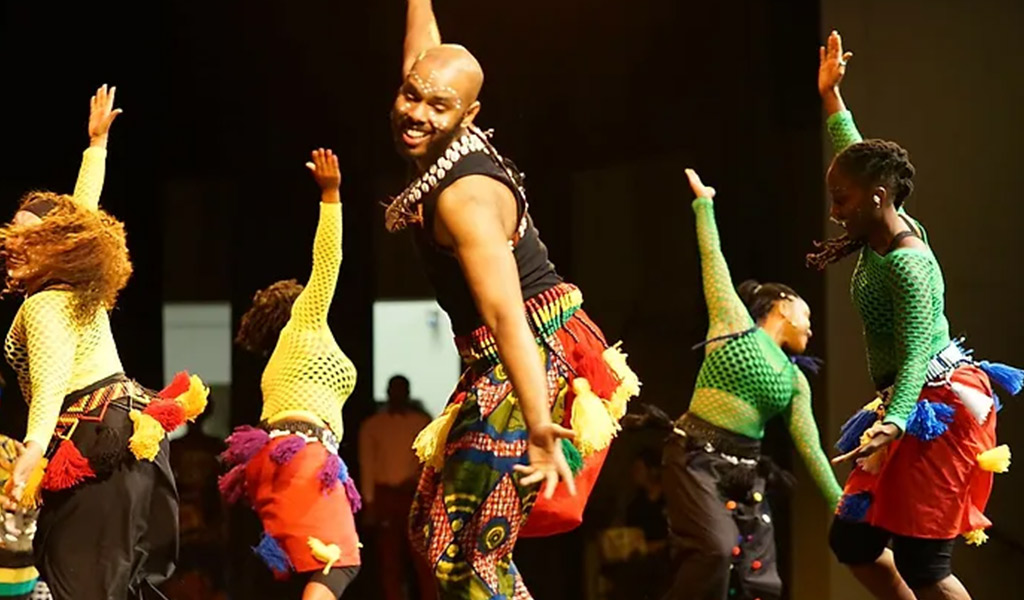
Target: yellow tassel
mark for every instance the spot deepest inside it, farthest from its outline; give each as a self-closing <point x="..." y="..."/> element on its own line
<point x="30" y="497"/>
<point x="194" y="400"/>
<point x="429" y="444"/>
<point x="629" y="383"/>
<point x="996" y="460"/>
<point x="976" y="537"/>
<point x="325" y="553"/>
<point x="145" y="441"/>
<point x="873" y="406"/>
<point x="591" y="420"/>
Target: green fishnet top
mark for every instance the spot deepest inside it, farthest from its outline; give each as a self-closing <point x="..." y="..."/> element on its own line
<point x="747" y="380"/>
<point x="900" y="298"/>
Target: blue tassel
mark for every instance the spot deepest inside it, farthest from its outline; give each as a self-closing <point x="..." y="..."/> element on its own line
<point x="273" y="555"/>
<point x="854" y="428"/>
<point x="342" y="472"/>
<point x="929" y="420"/>
<point x="811" y="364"/>
<point x="1008" y="378"/>
<point x="997" y="401"/>
<point x="854" y="507"/>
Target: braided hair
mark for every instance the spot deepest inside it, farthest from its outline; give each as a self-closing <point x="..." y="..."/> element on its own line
<point x="871" y="163"/>
<point x="270" y="311"/>
<point x="760" y="298"/>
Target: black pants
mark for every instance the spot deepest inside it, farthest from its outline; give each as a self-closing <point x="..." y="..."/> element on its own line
<point x="721" y="536"/>
<point x="114" y="537"/>
<point x="920" y="562"/>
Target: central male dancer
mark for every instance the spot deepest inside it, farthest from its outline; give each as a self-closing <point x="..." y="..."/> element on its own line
<point x="541" y="385"/>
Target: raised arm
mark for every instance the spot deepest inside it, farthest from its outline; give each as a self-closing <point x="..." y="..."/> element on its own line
<point x="804" y="432"/>
<point x="93" y="170"/>
<point x="726" y="312"/>
<point x="832" y="61"/>
<point x="51" y="341"/>
<point x="421" y="32"/>
<point x="310" y="308"/>
<point x="469" y="213"/>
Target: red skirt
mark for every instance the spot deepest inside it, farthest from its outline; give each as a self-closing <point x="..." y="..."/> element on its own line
<point x="930" y="488"/>
<point x="301" y="492"/>
<point x="293" y="506"/>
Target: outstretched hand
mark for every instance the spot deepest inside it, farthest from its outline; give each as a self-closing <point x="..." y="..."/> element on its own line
<point x="547" y="463"/>
<point x="102" y="114"/>
<point x="878" y="436"/>
<point x="699" y="189"/>
<point x="832" y="64"/>
<point x="326" y="172"/>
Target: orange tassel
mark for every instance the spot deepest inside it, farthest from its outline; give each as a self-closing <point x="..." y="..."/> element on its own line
<point x="178" y="386"/>
<point x="168" y="413"/>
<point x="67" y="468"/>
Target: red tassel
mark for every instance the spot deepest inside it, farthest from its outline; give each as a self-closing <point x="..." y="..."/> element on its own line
<point x="67" y="468"/>
<point x="179" y="385"/>
<point x="168" y="413"/>
<point x="592" y="367"/>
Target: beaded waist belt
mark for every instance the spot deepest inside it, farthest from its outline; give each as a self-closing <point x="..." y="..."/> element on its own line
<point x="91" y="403"/>
<point x="941" y="365"/>
<point x="309" y="431"/>
<point x="702" y="434"/>
<point x="546" y="312"/>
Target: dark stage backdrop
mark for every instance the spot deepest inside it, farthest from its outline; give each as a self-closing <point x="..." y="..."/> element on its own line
<point x="602" y="105"/>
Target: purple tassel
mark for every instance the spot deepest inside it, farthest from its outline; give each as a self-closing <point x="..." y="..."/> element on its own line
<point x="811" y="364"/>
<point x="854" y="428"/>
<point x="929" y="420"/>
<point x="286" y="449"/>
<point x="232" y="484"/>
<point x="243" y="444"/>
<point x="354" y="499"/>
<point x="854" y="507"/>
<point x="273" y="555"/>
<point x="329" y="472"/>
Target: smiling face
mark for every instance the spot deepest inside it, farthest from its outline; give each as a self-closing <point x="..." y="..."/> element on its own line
<point x="435" y="102"/>
<point x="852" y="203"/>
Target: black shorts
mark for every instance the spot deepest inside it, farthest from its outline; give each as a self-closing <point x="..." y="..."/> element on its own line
<point x="921" y="562"/>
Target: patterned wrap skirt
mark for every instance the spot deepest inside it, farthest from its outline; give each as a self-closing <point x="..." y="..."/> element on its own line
<point x="469" y="508"/>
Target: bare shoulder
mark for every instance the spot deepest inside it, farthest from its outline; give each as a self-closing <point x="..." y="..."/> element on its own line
<point x="480" y="191"/>
<point x="473" y="203"/>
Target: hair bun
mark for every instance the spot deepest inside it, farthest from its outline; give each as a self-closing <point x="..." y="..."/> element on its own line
<point x="748" y="290"/>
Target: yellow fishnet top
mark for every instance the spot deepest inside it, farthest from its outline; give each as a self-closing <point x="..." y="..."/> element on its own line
<point x="53" y="353"/>
<point x="308" y="372"/>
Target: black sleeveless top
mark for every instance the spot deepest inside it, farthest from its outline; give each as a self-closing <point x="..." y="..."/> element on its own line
<point x="536" y="273"/>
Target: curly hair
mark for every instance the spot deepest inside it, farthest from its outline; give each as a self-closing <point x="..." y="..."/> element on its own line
<point x="73" y="247"/>
<point x="871" y="163"/>
<point x="262" y="323"/>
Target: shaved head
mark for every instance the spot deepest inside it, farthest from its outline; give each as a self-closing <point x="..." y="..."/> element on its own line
<point x="453" y="66"/>
<point x="437" y="101"/>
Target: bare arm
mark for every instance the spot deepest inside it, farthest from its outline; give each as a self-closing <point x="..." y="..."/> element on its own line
<point x="469" y="214"/>
<point x="421" y="32"/>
